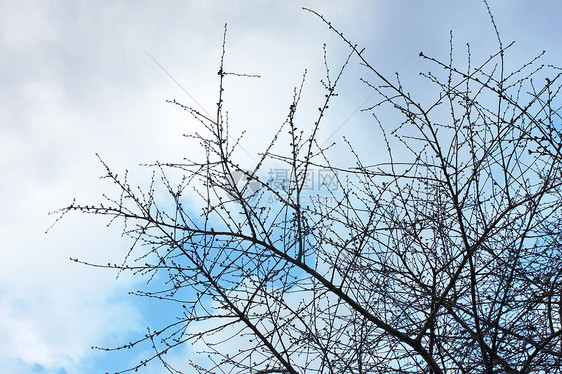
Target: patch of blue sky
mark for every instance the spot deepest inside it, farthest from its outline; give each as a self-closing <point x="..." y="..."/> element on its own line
<point x="36" y="368"/>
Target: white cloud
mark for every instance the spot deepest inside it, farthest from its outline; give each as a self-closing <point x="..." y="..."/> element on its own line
<point x="25" y="23"/>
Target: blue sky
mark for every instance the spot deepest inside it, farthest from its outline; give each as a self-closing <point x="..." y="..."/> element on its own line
<point x="77" y="78"/>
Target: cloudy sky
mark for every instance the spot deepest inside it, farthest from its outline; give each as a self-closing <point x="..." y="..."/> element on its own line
<point x="80" y="77"/>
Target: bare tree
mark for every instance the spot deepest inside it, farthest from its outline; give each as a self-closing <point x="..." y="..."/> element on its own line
<point x="445" y="258"/>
